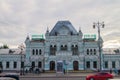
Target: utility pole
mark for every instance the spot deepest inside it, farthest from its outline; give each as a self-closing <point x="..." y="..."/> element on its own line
<point x="99" y="25"/>
<point x="21" y="47"/>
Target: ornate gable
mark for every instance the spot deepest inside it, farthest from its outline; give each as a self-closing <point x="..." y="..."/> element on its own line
<point x="63" y="28"/>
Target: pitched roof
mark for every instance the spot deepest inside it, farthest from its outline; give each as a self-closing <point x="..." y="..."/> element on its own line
<point x="60" y="24"/>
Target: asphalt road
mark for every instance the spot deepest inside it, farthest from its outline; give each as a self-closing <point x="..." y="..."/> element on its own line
<point x="54" y="76"/>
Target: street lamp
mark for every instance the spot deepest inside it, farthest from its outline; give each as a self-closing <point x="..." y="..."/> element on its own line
<point x="84" y="54"/>
<point x="98" y="25"/>
<point x="21" y="47"/>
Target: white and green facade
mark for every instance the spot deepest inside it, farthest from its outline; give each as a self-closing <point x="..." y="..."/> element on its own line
<point x="64" y="43"/>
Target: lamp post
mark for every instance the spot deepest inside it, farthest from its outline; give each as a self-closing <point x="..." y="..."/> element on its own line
<point x="84" y="54"/>
<point x="21" y="47"/>
<point x="99" y="25"/>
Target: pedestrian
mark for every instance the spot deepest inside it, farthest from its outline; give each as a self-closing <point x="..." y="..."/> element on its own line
<point x="110" y="71"/>
<point x="64" y="71"/>
<point x="98" y="70"/>
<point x="119" y="72"/>
<point x="116" y="71"/>
<point x="26" y="71"/>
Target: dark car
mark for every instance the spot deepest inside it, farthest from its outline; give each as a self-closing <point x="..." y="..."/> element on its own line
<point x="10" y="75"/>
<point x="100" y="76"/>
<point x="6" y="78"/>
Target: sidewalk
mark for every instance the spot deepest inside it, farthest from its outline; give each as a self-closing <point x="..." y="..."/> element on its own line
<point x="55" y="74"/>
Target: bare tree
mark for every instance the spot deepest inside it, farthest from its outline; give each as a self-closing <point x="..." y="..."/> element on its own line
<point x="5" y="46"/>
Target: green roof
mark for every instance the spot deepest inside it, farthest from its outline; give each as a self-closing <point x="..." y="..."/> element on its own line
<point x="37" y="37"/>
<point x="90" y="36"/>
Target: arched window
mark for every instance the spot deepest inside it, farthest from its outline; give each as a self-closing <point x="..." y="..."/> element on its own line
<point x="94" y="51"/>
<point x="94" y="64"/>
<point x="1" y="66"/>
<point x="40" y="52"/>
<point x="74" y="49"/>
<point x="53" y="49"/>
<point x="88" y="64"/>
<point x="76" y="46"/>
<point x="63" y="47"/>
<point x="91" y="51"/>
<point x="33" y="52"/>
<point x="72" y="46"/>
<point x="39" y="64"/>
<point x="33" y="64"/>
<point x="36" y="51"/>
<point x="55" y="33"/>
<point x="71" y="33"/>
<point x="87" y="51"/>
<point x="51" y="46"/>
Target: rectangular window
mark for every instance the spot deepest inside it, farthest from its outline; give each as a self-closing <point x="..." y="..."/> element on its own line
<point x="106" y="64"/>
<point x="119" y="63"/>
<point x="88" y="64"/>
<point x="113" y="64"/>
<point x="74" y="49"/>
<point x="33" y="64"/>
<point x="53" y="50"/>
<point x="15" y="65"/>
<point x="94" y="64"/>
<point x="7" y="64"/>
<point x="1" y="65"/>
<point x="22" y="64"/>
<point x="39" y="64"/>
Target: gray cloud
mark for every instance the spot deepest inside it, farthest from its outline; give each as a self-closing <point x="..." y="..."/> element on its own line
<point x="21" y="17"/>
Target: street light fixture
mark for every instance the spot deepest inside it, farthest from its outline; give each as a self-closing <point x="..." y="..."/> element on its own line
<point x="21" y="47"/>
<point x="98" y="25"/>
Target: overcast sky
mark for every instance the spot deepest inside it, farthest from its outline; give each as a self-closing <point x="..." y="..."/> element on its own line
<point x="19" y="18"/>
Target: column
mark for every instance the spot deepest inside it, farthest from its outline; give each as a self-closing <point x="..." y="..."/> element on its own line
<point x="91" y="64"/>
<point x="58" y="46"/>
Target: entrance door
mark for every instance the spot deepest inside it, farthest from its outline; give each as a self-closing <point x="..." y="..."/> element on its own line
<point x="75" y="65"/>
<point x="52" y="65"/>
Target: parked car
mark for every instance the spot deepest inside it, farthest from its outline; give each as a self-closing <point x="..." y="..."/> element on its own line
<point x="114" y="79"/>
<point x="10" y="75"/>
<point x="100" y="76"/>
<point x="6" y="78"/>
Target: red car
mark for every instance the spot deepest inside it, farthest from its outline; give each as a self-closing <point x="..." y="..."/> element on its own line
<point x="100" y="76"/>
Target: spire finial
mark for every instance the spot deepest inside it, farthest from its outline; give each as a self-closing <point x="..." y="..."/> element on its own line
<point x="47" y="29"/>
<point x="79" y="29"/>
<point x="27" y="36"/>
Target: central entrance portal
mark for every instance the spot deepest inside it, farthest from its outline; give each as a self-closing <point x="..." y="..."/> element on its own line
<point x="52" y="65"/>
